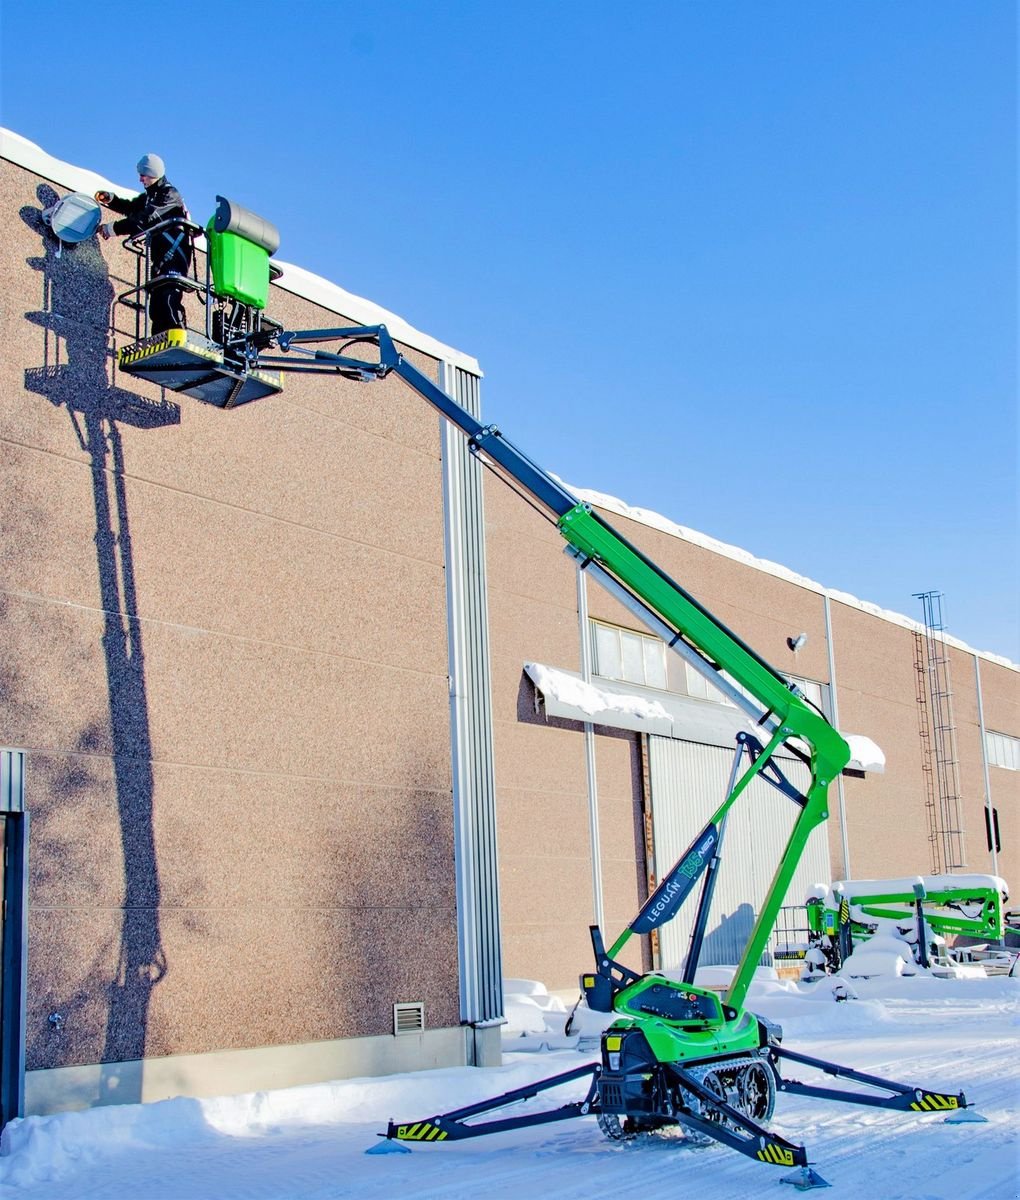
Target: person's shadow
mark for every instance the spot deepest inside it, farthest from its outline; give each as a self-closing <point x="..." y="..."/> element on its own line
<point x="75" y="320"/>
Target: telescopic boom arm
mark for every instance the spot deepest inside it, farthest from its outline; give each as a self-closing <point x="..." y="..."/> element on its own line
<point x="688" y="628"/>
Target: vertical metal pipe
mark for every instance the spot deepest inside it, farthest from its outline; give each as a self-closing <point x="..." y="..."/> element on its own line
<point x="584" y="634"/>
<point x="834" y="717"/>
<point x="14" y="929"/>
<point x="989" y="811"/>
<point x="476" y="862"/>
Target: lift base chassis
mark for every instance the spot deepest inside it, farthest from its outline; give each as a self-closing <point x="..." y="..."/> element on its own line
<point x="706" y="1097"/>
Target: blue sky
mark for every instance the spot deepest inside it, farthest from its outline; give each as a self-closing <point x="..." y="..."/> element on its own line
<point x="749" y="264"/>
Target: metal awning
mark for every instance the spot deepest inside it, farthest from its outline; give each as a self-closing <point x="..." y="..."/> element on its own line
<point x="865" y="755"/>
<point x="565" y="694"/>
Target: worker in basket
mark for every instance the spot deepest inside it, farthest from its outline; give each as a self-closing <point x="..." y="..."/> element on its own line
<point x="169" y="249"/>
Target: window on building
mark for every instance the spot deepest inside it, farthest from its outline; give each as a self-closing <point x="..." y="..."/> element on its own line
<point x="699" y="687"/>
<point x="1002" y="750"/>
<point x="631" y="657"/>
<point x="814" y="692"/>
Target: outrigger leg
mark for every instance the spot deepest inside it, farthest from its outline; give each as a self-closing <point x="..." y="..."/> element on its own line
<point x="709" y="1115"/>
<point x="724" y="1123"/>
<point x="452" y="1126"/>
<point x="903" y="1097"/>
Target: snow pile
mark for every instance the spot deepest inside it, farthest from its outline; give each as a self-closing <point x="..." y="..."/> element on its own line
<point x="309" y="1143"/>
<point x="537" y="1021"/>
<point x="530" y="1010"/>
<point x="865" y="755"/>
<point x="863" y="889"/>
<point x="38" y="1149"/>
<point x="882" y="954"/>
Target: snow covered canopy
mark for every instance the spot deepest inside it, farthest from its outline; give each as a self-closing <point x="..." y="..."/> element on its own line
<point x="865" y="755"/>
<point x="565" y="694"/>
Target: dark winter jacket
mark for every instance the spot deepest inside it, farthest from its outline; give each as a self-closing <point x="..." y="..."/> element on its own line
<point x="170" y="249"/>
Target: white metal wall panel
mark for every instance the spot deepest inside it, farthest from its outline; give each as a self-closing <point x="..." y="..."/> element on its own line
<point x="688" y="783"/>
<point x="474" y="789"/>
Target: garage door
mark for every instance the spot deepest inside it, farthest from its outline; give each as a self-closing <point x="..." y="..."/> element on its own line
<point x="688" y="782"/>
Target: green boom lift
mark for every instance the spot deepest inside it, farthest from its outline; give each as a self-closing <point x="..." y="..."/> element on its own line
<point x="923" y="911"/>
<point x="675" y="1053"/>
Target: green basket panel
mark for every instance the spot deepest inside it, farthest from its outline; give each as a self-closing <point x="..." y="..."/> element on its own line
<point x="240" y="269"/>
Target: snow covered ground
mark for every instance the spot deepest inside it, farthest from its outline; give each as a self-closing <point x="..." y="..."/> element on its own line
<point x="309" y="1143"/>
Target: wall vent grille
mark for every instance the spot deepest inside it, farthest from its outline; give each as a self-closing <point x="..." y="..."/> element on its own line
<point x="408" y="1018"/>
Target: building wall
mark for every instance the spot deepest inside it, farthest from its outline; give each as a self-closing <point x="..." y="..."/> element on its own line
<point x="892" y="831"/>
<point x="1000" y="693"/>
<point x="542" y="806"/>
<point x="224" y="650"/>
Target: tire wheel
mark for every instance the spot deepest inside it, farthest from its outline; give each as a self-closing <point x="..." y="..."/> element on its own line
<point x="716" y="1086"/>
<point x="756" y="1092"/>
<point x="694" y="1136"/>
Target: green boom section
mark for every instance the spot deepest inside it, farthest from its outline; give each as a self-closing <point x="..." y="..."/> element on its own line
<point x="829" y="752"/>
<point x="593" y="537"/>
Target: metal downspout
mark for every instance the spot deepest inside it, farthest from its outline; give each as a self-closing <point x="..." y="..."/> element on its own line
<point x="989" y="810"/>
<point x="584" y="632"/>
<point x="473" y="767"/>
<point x="834" y="715"/>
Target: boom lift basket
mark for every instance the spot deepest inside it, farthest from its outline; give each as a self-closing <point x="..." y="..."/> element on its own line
<point x="218" y="367"/>
<point x="186" y="362"/>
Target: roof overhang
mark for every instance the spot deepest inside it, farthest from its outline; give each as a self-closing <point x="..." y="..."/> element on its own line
<point x="865" y="755"/>
<point x="565" y="694"/>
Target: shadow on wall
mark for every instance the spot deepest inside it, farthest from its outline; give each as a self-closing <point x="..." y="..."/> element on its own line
<point x="530" y="712"/>
<point x="725" y="944"/>
<point x="75" y="319"/>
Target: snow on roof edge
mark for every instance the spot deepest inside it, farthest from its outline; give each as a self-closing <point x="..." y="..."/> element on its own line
<point x="654" y="520"/>
<point x="297" y="280"/>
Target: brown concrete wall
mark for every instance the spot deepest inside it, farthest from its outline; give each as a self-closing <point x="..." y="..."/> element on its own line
<point x="224" y="648"/>
<point x="887" y="821"/>
<point x="1000" y="692"/>
<point x="542" y="807"/>
<point x="891" y="829"/>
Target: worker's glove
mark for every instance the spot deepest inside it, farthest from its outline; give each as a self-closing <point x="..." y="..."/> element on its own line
<point x="106" y="231"/>
<point x="104" y="197"/>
